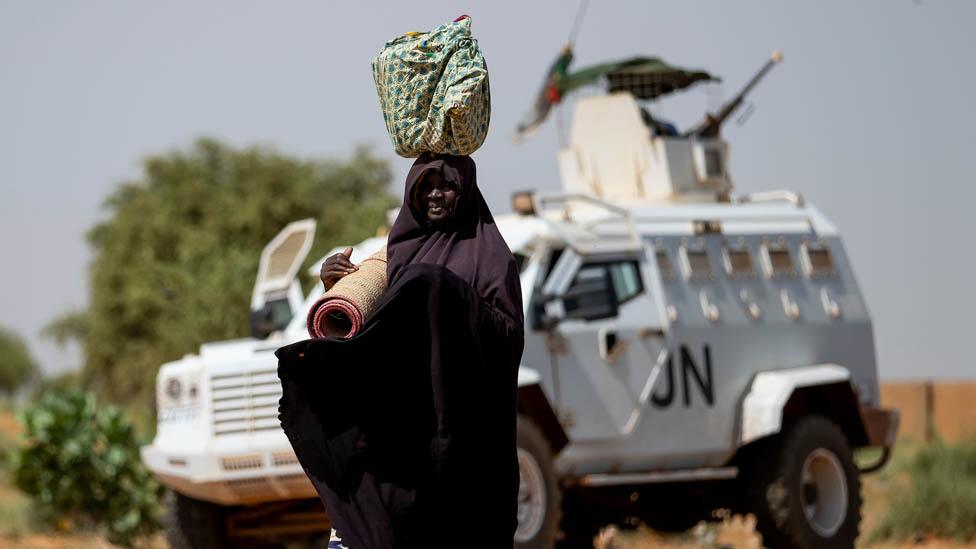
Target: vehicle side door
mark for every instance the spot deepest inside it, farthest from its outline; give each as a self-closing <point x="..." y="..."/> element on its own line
<point x="607" y="340"/>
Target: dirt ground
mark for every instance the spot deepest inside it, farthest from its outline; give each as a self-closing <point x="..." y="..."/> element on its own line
<point x="734" y="534"/>
<point x="737" y="533"/>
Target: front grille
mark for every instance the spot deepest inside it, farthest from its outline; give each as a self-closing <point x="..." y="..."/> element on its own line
<point x="245" y="402"/>
<point x="241" y="463"/>
<point x="281" y="459"/>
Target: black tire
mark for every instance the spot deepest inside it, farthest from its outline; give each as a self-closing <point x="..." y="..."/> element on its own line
<point x="539" y="529"/>
<point x="193" y="524"/>
<point x="777" y="493"/>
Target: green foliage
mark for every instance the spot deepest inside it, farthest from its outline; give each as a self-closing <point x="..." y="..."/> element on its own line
<point x="81" y="465"/>
<point x="941" y="496"/>
<point x="16" y="365"/>
<point x="176" y="258"/>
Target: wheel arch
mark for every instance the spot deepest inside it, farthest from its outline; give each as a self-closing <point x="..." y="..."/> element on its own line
<point x="776" y="398"/>
<point x="532" y="403"/>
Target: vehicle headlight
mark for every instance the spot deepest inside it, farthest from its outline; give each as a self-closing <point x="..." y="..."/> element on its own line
<point x="174" y="389"/>
<point x="178" y="390"/>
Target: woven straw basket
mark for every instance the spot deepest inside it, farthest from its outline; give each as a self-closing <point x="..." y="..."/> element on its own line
<point x="341" y="311"/>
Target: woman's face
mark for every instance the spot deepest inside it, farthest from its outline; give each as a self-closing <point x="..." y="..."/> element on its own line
<point x="437" y="197"/>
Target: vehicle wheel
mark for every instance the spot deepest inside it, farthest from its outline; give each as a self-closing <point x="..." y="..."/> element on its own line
<point x="809" y="496"/>
<point x="539" y="495"/>
<point x="193" y="524"/>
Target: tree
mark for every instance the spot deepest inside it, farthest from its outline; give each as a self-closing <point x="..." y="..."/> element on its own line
<point x="175" y="260"/>
<point x="16" y="365"/>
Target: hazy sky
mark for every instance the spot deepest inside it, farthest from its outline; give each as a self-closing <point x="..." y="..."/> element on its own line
<point x="871" y="116"/>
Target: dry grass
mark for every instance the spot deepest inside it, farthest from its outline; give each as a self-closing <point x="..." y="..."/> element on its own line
<point x="18" y="532"/>
<point x="739" y="533"/>
<point x="936" y="495"/>
<point x="736" y="534"/>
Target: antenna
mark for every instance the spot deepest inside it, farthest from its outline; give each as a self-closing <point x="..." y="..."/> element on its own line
<point x="574" y="30"/>
<point x="578" y="21"/>
<point x="548" y="97"/>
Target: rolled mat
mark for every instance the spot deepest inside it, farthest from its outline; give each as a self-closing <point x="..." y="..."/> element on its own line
<point x="341" y="311"/>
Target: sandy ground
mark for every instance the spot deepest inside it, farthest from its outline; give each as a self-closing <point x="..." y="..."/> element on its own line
<point x="737" y="533"/>
<point x="734" y="534"/>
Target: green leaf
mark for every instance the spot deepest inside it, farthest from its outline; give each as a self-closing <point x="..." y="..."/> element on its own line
<point x="83" y="467"/>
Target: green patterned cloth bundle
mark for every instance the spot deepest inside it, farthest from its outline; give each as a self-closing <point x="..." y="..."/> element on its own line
<point x="433" y="89"/>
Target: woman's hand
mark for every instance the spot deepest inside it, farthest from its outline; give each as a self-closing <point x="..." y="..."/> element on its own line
<point x="335" y="267"/>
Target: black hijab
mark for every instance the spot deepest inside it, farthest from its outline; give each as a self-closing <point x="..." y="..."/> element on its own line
<point x="426" y="391"/>
<point x="468" y="243"/>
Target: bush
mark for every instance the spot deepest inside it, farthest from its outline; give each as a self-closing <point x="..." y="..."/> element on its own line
<point x="81" y="465"/>
<point x="941" y="499"/>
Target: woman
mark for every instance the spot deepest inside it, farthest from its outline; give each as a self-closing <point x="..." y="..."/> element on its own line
<point x="407" y="429"/>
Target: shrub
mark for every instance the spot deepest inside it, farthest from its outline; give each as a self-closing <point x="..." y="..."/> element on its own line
<point x="81" y="465"/>
<point x="941" y="496"/>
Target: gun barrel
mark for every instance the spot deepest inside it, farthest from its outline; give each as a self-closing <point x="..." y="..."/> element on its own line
<point x="776" y="57"/>
<point x="710" y="127"/>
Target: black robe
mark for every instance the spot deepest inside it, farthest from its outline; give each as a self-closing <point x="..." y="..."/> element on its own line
<point x="407" y="430"/>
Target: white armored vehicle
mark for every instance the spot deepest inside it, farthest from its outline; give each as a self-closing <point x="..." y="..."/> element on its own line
<point x="686" y="351"/>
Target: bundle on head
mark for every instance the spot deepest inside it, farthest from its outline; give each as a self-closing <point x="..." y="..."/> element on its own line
<point x="433" y="89"/>
<point x="340" y="312"/>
